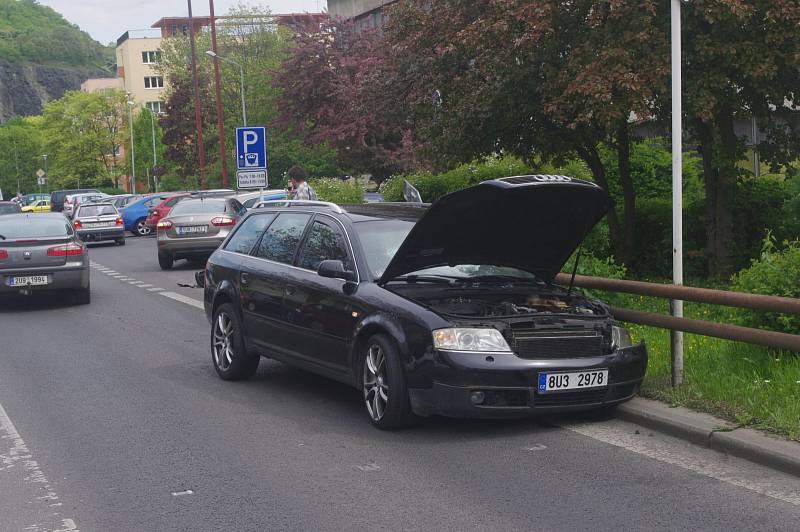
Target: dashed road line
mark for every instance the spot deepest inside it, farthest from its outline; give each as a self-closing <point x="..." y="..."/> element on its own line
<point x="155" y="289"/>
<point x="183" y="299"/>
<point x="145" y="286"/>
<point x="186" y="300"/>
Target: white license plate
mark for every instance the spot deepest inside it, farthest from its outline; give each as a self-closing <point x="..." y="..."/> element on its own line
<point x="29" y="280"/>
<point x="192" y="229"/>
<point x="573" y="380"/>
<point x="99" y="224"/>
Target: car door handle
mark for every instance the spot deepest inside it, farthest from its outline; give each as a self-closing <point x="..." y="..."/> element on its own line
<point x="245" y="278"/>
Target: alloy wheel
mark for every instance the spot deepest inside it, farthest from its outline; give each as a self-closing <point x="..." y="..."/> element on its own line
<point x="142" y="229"/>
<point x="376" y="386"/>
<point x="223" y="341"/>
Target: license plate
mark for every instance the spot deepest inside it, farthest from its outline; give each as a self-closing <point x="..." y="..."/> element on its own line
<point x="29" y="280"/>
<point x="99" y="224"/>
<point x="574" y="380"/>
<point x="192" y="229"/>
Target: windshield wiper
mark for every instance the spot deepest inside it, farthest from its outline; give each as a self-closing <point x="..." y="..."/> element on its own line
<point x="439" y="279"/>
<point x="502" y="279"/>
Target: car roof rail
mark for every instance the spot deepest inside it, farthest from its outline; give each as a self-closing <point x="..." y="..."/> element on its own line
<point x="300" y="203"/>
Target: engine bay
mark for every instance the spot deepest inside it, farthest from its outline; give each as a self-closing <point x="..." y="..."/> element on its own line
<point x="483" y="305"/>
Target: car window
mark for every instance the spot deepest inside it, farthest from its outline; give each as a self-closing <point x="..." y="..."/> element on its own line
<point x="14" y="227"/>
<point x="236" y="207"/>
<point x="324" y="242"/>
<point x="280" y="241"/>
<point x="203" y="206"/>
<point x="97" y="210"/>
<point x="381" y="240"/>
<point x="249" y="203"/>
<point x="248" y="234"/>
<point x="9" y="208"/>
<point x="172" y="201"/>
<point x="150" y="202"/>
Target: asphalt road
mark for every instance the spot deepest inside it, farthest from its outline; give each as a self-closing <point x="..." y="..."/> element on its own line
<point x="112" y="419"/>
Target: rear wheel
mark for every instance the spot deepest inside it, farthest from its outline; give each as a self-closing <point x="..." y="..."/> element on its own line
<point x="384" y="386"/>
<point x="120" y="241"/>
<point x="228" y="353"/>
<point x="141" y="228"/>
<point x="83" y="296"/>
<point x="165" y="261"/>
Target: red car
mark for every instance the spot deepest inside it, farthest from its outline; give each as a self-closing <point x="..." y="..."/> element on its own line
<point x="163" y="207"/>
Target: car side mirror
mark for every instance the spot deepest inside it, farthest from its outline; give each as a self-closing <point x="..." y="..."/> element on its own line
<point x="334" y="269"/>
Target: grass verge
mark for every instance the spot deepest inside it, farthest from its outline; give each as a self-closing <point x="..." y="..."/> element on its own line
<point x="749" y="385"/>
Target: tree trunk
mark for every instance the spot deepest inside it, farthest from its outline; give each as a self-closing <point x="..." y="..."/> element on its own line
<point x="625" y="254"/>
<point x="718" y="150"/>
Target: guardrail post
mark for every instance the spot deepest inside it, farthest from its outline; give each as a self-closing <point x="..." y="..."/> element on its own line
<point x="676" y="345"/>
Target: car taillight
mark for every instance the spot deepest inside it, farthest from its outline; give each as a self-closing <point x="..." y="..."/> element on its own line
<point x="76" y="224"/>
<point x="3" y="254"/>
<point x="164" y="224"/>
<point x="119" y="221"/>
<point x="65" y="250"/>
<point x="223" y="221"/>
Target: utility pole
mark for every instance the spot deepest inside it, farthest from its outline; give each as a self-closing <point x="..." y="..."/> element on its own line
<point x="133" y="150"/>
<point x="677" y="188"/>
<point x="198" y="118"/>
<point x="218" y="90"/>
<point x="16" y="163"/>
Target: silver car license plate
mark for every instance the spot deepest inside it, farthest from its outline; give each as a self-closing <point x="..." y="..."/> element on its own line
<point x="192" y="229"/>
<point x="29" y="280"/>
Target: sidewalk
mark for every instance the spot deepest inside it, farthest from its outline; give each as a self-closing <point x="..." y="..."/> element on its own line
<point x="709" y="431"/>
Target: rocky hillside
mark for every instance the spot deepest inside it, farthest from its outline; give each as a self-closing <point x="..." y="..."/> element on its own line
<point x="42" y="56"/>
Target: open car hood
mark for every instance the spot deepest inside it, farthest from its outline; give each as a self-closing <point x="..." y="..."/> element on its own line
<point x="533" y="223"/>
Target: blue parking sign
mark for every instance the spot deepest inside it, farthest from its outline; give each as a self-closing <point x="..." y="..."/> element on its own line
<point x="251" y="148"/>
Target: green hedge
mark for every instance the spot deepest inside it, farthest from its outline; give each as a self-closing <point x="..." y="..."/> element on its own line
<point x="337" y="191"/>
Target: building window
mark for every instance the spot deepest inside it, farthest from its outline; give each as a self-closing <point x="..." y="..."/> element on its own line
<point x="156" y="107"/>
<point x="153" y="82"/>
<point x="151" y="58"/>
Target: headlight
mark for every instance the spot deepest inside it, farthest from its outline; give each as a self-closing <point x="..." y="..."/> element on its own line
<point x="484" y="340"/>
<point x="620" y="337"/>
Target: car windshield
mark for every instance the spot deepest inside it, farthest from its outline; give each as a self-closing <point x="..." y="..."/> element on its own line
<point x="475" y="272"/>
<point x="203" y="206"/>
<point x="381" y="240"/>
<point x="97" y="210"/>
<point x="7" y="208"/>
<point x="35" y="226"/>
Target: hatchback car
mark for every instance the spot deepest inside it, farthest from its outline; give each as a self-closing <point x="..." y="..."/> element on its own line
<point x="134" y="214"/>
<point x="99" y="222"/>
<point x="446" y="310"/>
<point x="41" y="252"/>
<point x="41" y="205"/>
<point x="195" y="228"/>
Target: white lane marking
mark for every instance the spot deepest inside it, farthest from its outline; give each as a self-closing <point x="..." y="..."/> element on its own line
<point x="184" y="299"/>
<point x="145" y="285"/>
<point x="18" y="454"/>
<point x="155" y="289"/>
<point x="135" y="282"/>
<point x="182" y="493"/>
<point x="110" y="272"/>
<point x="706" y="462"/>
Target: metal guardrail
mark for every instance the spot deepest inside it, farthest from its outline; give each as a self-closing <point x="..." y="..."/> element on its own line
<point x="773" y="339"/>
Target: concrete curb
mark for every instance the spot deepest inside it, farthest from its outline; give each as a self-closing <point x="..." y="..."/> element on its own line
<point x="715" y="433"/>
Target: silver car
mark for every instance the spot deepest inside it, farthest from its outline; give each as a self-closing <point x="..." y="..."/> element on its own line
<point x="99" y="222"/>
<point x="195" y="227"/>
<point x="73" y="201"/>
<point x="41" y="252"/>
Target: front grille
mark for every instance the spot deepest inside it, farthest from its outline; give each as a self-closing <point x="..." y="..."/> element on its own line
<point x="587" y="397"/>
<point x="556" y="344"/>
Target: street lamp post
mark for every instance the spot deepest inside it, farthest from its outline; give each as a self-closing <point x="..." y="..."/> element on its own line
<point x="45" y="171"/>
<point x="215" y="55"/>
<point x="677" y="187"/>
<point x="133" y="151"/>
<point x="153" y="131"/>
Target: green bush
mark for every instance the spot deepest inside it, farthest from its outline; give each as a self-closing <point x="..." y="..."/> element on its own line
<point x="776" y="272"/>
<point x="337" y="191"/>
<point x="593" y="266"/>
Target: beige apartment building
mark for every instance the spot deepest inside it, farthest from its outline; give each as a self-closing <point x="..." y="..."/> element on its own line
<point x="138" y="52"/>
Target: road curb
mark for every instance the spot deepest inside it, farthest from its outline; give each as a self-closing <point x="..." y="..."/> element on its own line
<point x="709" y="431"/>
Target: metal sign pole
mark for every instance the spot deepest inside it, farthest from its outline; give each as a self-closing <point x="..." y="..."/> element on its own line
<point x="677" y="189"/>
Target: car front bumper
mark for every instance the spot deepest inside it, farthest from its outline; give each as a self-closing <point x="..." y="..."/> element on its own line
<point x="509" y="384"/>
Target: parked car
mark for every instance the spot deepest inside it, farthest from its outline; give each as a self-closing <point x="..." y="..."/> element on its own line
<point x="134" y="214"/>
<point x="449" y="309"/>
<point x="99" y="222"/>
<point x="72" y="201"/>
<point x="121" y="200"/>
<point x="251" y="199"/>
<point x="162" y="208"/>
<point x="195" y="227"/>
<point x="9" y="207"/>
<point x="42" y="205"/>
<point x="58" y="197"/>
<point x="28" y="199"/>
<point x="42" y="253"/>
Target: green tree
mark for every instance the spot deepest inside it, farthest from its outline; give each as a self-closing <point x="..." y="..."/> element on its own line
<point x="147" y="132"/>
<point x="20" y="155"/>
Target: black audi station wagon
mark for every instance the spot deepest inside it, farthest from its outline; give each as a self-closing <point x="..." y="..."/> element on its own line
<point x="446" y="309"/>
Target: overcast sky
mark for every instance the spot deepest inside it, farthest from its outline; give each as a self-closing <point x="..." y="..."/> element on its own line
<point x="105" y="20"/>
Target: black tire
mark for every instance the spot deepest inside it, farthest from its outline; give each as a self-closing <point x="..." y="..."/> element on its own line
<point x="141" y="228"/>
<point x="120" y="241"/>
<point x="397" y="411"/>
<point x="83" y="296"/>
<point x="165" y="261"/>
<point x="228" y="354"/>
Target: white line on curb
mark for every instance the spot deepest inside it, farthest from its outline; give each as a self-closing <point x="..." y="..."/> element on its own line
<point x="184" y="299"/>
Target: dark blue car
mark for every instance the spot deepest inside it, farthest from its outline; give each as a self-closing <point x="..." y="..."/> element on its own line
<point x="135" y="213"/>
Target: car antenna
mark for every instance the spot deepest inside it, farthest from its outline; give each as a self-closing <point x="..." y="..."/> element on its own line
<point x="574" y="270"/>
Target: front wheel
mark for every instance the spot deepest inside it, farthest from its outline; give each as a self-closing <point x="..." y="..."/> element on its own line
<point x="228" y="353"/>
<point x="384" y="386"/>
<point x="142" y="229"/>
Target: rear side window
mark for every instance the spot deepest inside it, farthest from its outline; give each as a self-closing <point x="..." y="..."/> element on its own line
<point x="282" y="238"/>
<point x="248" y="234"/>
<point x="324" y="242"/>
